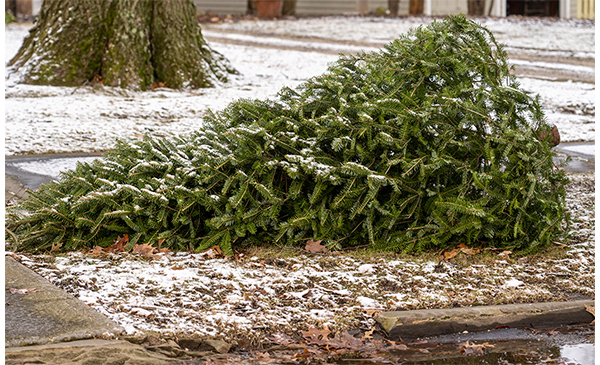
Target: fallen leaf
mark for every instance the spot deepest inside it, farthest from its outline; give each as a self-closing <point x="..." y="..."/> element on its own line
<point x="451" y="254"/>
<point x="468" y="250"/>
<point x="373" y="311"/>
<point x="98" y="251"/>
<point x="260" y="355"/>
<point x="505" y="253"/>
<point x="349" y="341"/>
<point x="396" y="345"/>
<point x="473" y="349"/>
<point x="212" y="252"/>
<point x="119" y="245"/>
<point x="22" y="291"/>
<point x="315" y="246"/>
<point x="369" y="334"/>
<point x="177" y="267"/>
<point x="314" y="335"/>
<point x="559" y="244"/>
<point x="523" y="260"/>
<point x="280" y="339"/>
<point x="144" y="249"/>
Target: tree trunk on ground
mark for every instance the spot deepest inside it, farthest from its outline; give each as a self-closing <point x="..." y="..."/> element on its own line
<point x="131" y="44"/>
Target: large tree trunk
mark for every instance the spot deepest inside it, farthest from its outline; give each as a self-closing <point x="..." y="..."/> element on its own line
<point x="132" y="44"/>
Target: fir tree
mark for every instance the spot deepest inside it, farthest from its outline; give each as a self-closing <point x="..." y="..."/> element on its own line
<point x="425" y="144"/>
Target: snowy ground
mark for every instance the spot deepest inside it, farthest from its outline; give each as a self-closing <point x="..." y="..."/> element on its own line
<point x="246" y="297"/>
<point x="273" y="54"/>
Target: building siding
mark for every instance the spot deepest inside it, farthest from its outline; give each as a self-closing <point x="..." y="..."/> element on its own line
<point x="222" y="7"/>
<point x="343" y="7"/>
<point x="445" y="7"/>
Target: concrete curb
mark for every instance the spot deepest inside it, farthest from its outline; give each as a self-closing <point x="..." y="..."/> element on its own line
<point x="48" y="314"/>
<point x="436" y="322"/>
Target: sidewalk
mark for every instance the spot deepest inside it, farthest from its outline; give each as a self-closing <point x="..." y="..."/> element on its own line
<point x="46" y="325"/>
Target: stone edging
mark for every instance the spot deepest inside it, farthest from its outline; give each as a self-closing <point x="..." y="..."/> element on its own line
<point x="435" y="322"/>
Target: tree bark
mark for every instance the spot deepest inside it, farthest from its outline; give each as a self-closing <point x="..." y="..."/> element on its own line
<point x="131" y="44"/>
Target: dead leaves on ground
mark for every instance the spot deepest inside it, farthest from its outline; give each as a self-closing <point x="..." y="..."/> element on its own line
<point x="121" y="245"/>
<point x="22" y="291"/>
<point x="319" y="341"/>
<point x="315" y="247"/>
<point x="447" y="255"/>
<point x="467" y="348"/>
<point x="144" y="250"/>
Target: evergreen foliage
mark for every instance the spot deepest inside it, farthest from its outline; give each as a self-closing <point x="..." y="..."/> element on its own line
<point x="424" y="145"/>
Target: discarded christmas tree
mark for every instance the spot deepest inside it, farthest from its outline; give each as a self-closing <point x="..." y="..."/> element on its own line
<point x="426" y="144"/>
<point x="130" y="44"/>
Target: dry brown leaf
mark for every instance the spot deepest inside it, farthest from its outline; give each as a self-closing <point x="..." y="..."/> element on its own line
<point x="369" y="334"/>
<point x="505" y="253"/>
<point x="373" y="311"/>
<point x="451" y="254"/>
<point x="447" y="255"/>
<point x="315" y="246"/>
<point x="177" y="267"/>
<point x="22" y="291"/>
<point x="349" y="341"/>
<point x="144" y="249"/>
<point x="119" y="245"/>
<point x="97" y="251"/>
<point x="468" y="250"/>
<point x="396" y="345"/>
<point x="314" y="335"/>
<point x="213" y="252"/>
<point x="280" y="339"/>
<point x="473" y="349"/>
